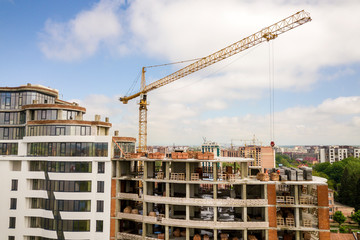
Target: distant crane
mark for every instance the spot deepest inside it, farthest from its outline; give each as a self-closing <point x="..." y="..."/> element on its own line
<point x="266" y="34"/>
<point x="254" y="141"/>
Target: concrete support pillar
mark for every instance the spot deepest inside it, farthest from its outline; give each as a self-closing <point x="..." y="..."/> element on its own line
<point x="266" y="234"/>
<point x="297" y="235"/>
<point x="245" y="234"/>
<point x="145" y="210"/>
<point x="215" y="234"/>
<point x="118" y="169"/>
<point x="187" y="190"/>
<point x="167" y="170"/>
<point x="187" y="234"/>
<point x="296" y="194"/>
<point x="167" y="189"/>
<point x="215" y="187"/>
<point x="145" y="170"/>
<point x="187" y="212"/>
<point x="167" y="207"/>
<point x="245" y="208"/>
<point x="243" y="191"/>
<point x="215" y="171"/>
<point x="167" y="233"/>
<point x="244" y="170"/>
<point x="215" y="214"/>
<point x="187" y="172"/>
<point x="144" y="230"/>
<point x="265" y="194"/>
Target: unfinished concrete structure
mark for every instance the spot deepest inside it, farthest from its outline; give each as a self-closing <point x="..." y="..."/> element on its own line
<point x="163" y="198"/>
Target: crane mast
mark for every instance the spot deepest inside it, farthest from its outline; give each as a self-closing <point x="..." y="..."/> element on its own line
<point x="266" y="34"/>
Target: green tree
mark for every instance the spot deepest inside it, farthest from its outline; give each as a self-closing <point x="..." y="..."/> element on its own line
<point x="356" y="217"/>
<point x="339" y="217"/>
<point x="345" y="194"/>
<point x="357" y="196"/>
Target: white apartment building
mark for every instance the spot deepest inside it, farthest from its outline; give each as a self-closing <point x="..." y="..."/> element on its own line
<point x="336" y="153"/>
<point x="55" y="168"/>
<point x="357" y="152"/>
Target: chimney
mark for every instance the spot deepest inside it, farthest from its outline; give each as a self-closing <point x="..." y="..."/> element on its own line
<point x="97" y="118"/>
<point x="116" y="133"/>
<point x="29" y="84"/>
<point x="107" y="119"/>
<point x="35" y="101"/>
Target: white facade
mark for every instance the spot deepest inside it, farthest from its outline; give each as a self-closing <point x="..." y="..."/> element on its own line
<point x="357" y="152"/>
<point x="62" y="196"/>
<point x="337" y="153"/>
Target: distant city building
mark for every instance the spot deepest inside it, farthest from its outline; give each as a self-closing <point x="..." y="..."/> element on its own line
<point x="333" y="154"/>
<point x="55" y="167"/>
<point x="212" y="147"/>
<point x="264" y="156"/>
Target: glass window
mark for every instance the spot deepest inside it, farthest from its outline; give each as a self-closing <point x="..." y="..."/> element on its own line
<point x="8" y="100"/>
<point x="101" y="167"/>
<point x="12" y="222"/>
<point x="43" y="114"/>
<point x="14" y="185"/>
<point x="83" y="130"/>
<point x="6" y="132"/>
<point x="11" y="238"/>
<point x="7" y="117"/>
<point x="99" y="225"/>
<point x="100" y="206"/>
<point x="13" y="203"/>
<point x="100" y="186"/>
<point x="61" y="186"/>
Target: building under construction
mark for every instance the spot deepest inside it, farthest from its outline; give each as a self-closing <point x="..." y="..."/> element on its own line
<point x="199" y="196"/>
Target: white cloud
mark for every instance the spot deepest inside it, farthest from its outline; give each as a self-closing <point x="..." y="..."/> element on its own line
<point x="82" y="36"/>
<point x="177" y="30"/>
<point x="341" y="105"/>
<point x="180" y="124"/>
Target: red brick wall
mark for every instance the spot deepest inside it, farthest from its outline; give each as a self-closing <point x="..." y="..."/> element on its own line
<point x="113" y="187"/>
<point x="324" y="235"/>
<point x="273" y="234"/>
<point x="113" y="207"/>
<point x="271" y="194"/>
<point x="322" y="194"/>
<point x="112" y="228"/>
<point x="323" y="214"/>
<point x="272" y="216"/>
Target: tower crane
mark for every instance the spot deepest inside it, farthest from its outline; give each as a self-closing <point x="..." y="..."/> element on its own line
<point x="266" y="34"/>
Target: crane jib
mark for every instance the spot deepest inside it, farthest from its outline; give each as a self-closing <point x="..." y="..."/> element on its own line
<point x="266" y="34"/>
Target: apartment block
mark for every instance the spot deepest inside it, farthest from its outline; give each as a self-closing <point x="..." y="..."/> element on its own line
<point x="55" y="167"/>
<point x="157" y="197"/>
<point x="333" y="154"/>
<point x="263" y="156"/>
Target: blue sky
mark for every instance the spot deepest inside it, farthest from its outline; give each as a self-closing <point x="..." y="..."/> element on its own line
<point x="92" y="51"/>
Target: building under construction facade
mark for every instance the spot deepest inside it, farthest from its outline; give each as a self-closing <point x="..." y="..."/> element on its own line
<point x="185" y="197"/>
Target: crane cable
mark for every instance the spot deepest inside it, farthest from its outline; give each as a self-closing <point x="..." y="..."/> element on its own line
<point x="272" y="92"/>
